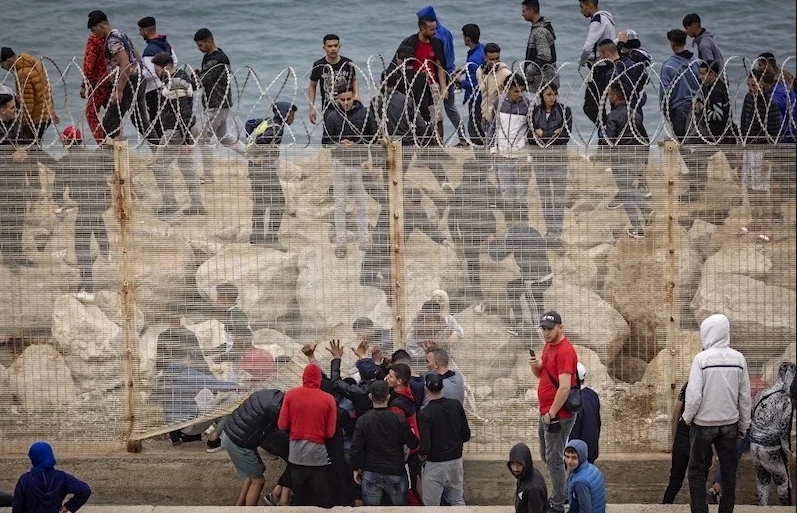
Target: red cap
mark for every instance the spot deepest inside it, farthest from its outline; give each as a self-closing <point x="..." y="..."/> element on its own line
<point x="72" y="134"/>
<point x="258" y="363"/>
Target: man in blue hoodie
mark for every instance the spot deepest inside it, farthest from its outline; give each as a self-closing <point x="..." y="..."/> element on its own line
<point x="679" y="83"/>
<point x="155" y="44"/>
<point x="449" y="100"/>
<point x="707" y="49"/>
<point x="586" y="489"/>
<point x="470" y="85"/>
<point x="43" y="489"/>
<point x="265" y="137"/>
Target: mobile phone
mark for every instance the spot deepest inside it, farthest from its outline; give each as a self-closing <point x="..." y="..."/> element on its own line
<point x="531" y="353"/>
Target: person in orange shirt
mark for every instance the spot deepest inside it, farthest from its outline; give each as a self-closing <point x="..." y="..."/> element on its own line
<point x="37" y="110"/>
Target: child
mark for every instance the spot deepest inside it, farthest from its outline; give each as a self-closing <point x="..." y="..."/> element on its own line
<point x="43" y="489"/>
<point x="85" y="172"/>
<point x="265" y="136"/>
<point x="760" y="123"/>
<point x="586" y="490"/>
<point x="237" y="333"/>
<point x="176" y="120"/>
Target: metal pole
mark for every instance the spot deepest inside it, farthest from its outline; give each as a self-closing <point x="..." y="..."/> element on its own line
<point x="396" y="201"/>
<point x="123" y="209"/>
<point x="674" y="344"/>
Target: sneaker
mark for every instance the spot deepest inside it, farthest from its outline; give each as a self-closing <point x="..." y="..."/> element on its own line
<point x="270" y="500"/>
<point x="650" y="218"/>
<point x="478" y="307"/>
<point x="195" y="210"/>
<point x="636" y="233"/>
<point x="214" y="446"/>
<point x="85" y="297"/>
<point x="645" y="191"/>
<point x="715" y="495"/>
<point x="447" y="188"/>
<point x="614" y="203"/>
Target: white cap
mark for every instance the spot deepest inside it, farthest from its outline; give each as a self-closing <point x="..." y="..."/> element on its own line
<point x="582" y="371"/>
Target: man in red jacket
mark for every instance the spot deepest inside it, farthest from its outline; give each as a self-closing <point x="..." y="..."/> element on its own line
<point x="309" y="416"/>
<point x="403" y="402"/>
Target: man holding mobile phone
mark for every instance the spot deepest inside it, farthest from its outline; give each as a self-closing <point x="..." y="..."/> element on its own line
<point x="556" y="369"/>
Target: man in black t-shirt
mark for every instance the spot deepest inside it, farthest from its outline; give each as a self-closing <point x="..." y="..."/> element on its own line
<point x="332" y="72"/>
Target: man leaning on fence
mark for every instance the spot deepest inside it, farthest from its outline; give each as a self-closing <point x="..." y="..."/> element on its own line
<point x="556" y="370"/>
<point x="717" y="409"/>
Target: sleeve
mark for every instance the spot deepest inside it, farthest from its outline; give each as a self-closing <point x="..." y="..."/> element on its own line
<point x="785" y="427"/>
<point x="773" y="120"/>
<point x="575" y="433"/>
<point x="612" y="130"/>
<point x="584" y="498"/>
<point x="544" y="52"/>
<point x="593" y="34"/>
<point x="410" y="438"/>
<point x="80" y="493"/>
<point x="453" y="323"/>
<point x="425" y="430"/>
<point x="19" y="505"/>
<point x="284" y="420"/>
<point x="694" y="392"/>
<point x="665" y="77"/>
<point x="357" y="443"/>
<point x="331" y="132"/>
<point x="566" y="364"/>
<point x="332" y="418"/>
<point x="568" y="124"/>
<point x="464" y="426"/>
<point x="744" y="401"/>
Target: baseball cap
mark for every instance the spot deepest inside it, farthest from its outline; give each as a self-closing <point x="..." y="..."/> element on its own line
<point x="581" y="371"/>
<point x="434" y="382"/>
<point x="367" y="368"/>
<point x="550" y="319"/>
<point x="72" y="134"/>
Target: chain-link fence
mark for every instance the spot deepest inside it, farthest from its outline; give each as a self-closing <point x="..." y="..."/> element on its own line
<point x="148" y="286"/>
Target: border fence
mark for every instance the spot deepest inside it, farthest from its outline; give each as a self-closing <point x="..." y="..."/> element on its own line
<point x="118" y="316"/>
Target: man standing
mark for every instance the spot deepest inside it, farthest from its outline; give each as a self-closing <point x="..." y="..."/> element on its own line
<point x="467" y="79"/>
<point x="531" y="494"/>
<point x="155" y="44"/>
<point x="540" y="59"/>
<point x="377" y="450"/>
<point x="214" y="78"/>
<point x="333" y="71"/>
<point x="717" y="409"/>
<point x="444" y="429"/>
<point x="96" y="86"/>
<point x="587" y="426"/>
<point x="309" y="416"/>
<point x="36" y="108"/>
<point x="429" y="57"/>
<point x="679" y="83"/>
<point x="707" y="49"/>
<point x="556" y="370"/>
<point x="402" y="401"/>
<point x="437" y="362"/>
<point x="491" y="77"/>
<point x="449" y="61"/>
<point x="601" y="26"/>
<point x="124" y="72"/>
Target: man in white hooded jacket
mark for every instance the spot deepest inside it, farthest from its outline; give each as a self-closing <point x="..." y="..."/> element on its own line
<point x="717" y="409"/>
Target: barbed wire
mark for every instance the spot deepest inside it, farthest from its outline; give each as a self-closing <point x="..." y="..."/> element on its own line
<point x="252" y="98"/>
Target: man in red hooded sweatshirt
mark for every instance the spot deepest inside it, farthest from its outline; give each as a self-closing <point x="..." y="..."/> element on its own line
<point x="309" y="416"/>
<point x="403" y="402"/>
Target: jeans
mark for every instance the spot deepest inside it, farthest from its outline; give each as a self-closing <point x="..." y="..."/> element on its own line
<point x="629" y="194"/>
<point x="374" y="486"/>
<point x="741" y="447"/>
<point x="345" y="178"/>
<point x="475" y="130"/>
<point x="514" y="188"/>
<point x="133" y="101"/>
<point x="266" y="193"/>
<point x="174" y="146"/>
<point x="724" y="439"/>
<point x="86" y="224"/>
<point x="215" y="123"/>
<point x="679" y="466"/>
<point x="552" y="184"/>
<point x="440" y="476"/>
<point x="552" y="452"/>
<point x="450" y="105"/>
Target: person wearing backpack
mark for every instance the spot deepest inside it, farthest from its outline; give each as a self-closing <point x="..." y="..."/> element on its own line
<point x="556" y="370"/>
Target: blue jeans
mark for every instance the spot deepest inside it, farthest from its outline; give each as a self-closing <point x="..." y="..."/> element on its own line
<point x="742" y="447"/>
<point x="374" y="486"/>
<point x="450" y="106"/>
<point x="724" y="439"/>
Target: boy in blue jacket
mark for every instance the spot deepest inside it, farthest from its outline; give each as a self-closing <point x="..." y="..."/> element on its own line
<point x="586" y="490"/>
<point x="43" y="489"/>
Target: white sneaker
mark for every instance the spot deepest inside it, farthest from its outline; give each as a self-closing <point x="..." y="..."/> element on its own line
<point x="478" y="307"/>
<point x="85" y="297"/>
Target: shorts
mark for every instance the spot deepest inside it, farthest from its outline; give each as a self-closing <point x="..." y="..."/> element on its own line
<point x="247" y="462"/>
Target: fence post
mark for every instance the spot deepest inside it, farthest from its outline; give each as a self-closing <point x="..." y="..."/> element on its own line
<point x="123" y="209"/>
<point x="671" y="166"/>
<point x="396" y="200"/>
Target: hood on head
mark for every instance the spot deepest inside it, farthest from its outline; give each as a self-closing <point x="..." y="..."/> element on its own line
<point x="715" y="331"/>
<point x="311" y="377"/>
<point x="282" y="109"/>
<point x="367" y="369"/>
<point x="785" y="379"/>
<point x="520" y="453"/>
<point x="580" y="447"/>
<point x="427" y="11"/>
<point x="41" y="456"/>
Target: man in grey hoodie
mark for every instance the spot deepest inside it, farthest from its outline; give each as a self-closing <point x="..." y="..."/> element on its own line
<point x="717" y="410"/>
<point x="540" y="62"/>
<point x="707" y="49"/>
<point x="601" y="26"/>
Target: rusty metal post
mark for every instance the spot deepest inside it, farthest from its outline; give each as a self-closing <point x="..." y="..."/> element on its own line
<point x="123" y="210"/>
<point x="675" y="341"/>
<point x="395" y="180"/>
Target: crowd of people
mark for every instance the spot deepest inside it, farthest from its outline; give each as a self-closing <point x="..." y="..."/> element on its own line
<point x="394" y="434"/>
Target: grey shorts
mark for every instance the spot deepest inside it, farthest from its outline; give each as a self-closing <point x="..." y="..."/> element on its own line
<point x="247" y="462"/>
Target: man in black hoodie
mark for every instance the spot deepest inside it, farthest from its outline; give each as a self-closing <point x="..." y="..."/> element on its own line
<point x="531" y="494"/>
<point x="444" y="429"/>
<point x="265" y="137"/>
<point x="540" y="60"/>
<point x="155" y="44"/>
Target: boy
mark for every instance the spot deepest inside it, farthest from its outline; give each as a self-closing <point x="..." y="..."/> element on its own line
<point x="586" y="490"/>
<point x="44" y="489"/>
<point x="266" y="136"/>
<point x="237" y="332"/>
<point x="507" y="138"/>
<point x="85" y="173"/>
<point x="531" y="494"/>
<point x="176" y="119"/>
